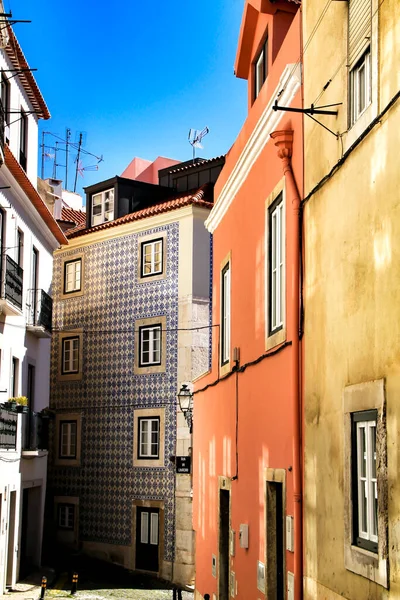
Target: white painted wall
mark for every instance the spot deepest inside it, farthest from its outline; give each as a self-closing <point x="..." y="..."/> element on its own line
<point x="18" y="100"/>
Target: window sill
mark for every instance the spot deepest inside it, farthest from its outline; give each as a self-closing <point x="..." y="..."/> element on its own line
<point x="367" y="564"/>
<point x="362" y="122"/>
<point x="275" y="339"/>
<point x="225" y="369"/>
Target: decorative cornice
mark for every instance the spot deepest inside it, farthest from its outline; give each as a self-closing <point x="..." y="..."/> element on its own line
<point x="289" y="82"/>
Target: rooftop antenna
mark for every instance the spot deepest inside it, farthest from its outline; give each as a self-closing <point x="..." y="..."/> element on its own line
<point x="195" y="137"/>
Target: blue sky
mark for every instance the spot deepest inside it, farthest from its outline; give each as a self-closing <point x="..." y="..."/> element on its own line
<point x="135" y="75"/>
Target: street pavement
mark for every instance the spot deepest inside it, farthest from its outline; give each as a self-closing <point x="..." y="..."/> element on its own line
<point x="97" y="581"/>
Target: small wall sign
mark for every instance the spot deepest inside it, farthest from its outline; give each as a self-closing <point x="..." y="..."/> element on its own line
<point x="183" y="464"/>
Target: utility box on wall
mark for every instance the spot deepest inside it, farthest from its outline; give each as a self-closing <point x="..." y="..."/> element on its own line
<point x="244" y="535"/>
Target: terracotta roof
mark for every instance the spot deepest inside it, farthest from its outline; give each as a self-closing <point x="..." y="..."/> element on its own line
<point x="18" y="60"/>
<point x="198" y="163"/>
<point x="20" y="176"/>
<point x="73" y="216"/>
<point x="200" y="198"/>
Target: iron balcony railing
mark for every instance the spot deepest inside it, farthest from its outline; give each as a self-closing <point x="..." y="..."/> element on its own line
<point x="35" y="431"/>
<point x="8" y="429"/>
<point x="13" y="282"/>
<point x="40" y="309"/>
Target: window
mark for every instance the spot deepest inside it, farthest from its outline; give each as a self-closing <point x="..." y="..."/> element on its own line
<point x="5" y="98"/>
<point x="66" y="516"/>
<point x="366" y="481"/>
<point x="20" y="248"/>
<point x="365" y="487"/>
<point x="261" y="68"/>
<point x="226" y="313"/>
<point x="150" y="345"/>
<point x="152" y="258"/>
<point x="72" y="276"/>
<point x="276" y="265"/>
<point x="23" y="139"/>
<point x="149" y="438"/>
<point x="360" y="86"/>
<point x="102" y="207"/>
<point x="14" y="377"/>
<point x="70" y="355"/>
<point x="68" y="439"/>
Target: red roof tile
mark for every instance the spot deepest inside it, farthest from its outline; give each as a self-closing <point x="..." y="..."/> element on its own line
<point x="18" y="60"/>
<point x="73" y="216"/>
<point x="20" y="176"/>
<point x="200" y="198"/>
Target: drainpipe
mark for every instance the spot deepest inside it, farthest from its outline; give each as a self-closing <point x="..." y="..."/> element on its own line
<point x="284" y="141"/>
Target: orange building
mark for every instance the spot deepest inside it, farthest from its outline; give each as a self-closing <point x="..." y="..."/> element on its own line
<point x="247" y="425"/>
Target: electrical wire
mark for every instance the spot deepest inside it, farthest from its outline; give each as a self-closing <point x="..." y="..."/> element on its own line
<point x="327" y="84"/>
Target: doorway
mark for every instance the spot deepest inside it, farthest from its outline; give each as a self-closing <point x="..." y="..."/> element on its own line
<point x="275" y="541"/>
<point x="223" y="575"/>
<point x="11" y="539"/>
<point x="147" y="538"/>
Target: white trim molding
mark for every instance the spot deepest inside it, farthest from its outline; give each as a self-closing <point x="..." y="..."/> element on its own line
<point x="290" y="82"/>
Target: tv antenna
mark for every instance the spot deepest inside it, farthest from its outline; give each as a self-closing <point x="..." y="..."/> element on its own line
<point x="195" y="137"/>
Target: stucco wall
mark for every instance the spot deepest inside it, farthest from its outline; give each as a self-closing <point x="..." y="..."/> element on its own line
<point x="352" y="232"/>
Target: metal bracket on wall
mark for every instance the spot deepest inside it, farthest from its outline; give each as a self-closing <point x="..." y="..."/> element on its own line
<point x="313" y="110"/>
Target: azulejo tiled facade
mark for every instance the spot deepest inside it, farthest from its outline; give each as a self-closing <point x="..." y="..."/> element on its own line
<point x="113" y="299"/>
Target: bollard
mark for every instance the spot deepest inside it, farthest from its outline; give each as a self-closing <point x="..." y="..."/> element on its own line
<point x="174" y="593"/>
<point x="74" y="583"/>
<point x="43" y="587"/>
<point x="179" y="594"/>
<point x="206" y="596"/>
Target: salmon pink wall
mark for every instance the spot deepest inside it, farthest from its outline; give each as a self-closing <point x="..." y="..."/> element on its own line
<point x="262" y="392"/>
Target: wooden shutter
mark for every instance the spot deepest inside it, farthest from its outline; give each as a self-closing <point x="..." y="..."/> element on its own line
<point x="359" y="28"/>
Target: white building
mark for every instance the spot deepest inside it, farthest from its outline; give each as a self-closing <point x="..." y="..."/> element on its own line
<point x="28" y="236"/>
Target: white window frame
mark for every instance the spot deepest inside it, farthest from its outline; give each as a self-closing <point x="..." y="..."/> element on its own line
<point x="145" y="447"/>
<point x="68" y="429"/>
<point x="156" y="267"/>
<point x="261" y="68"/>
<point x="226" y="313"/>
<point x="105" y="215"/>
<point x="276" y="294"/>
<point x="364" y="63"/>
<point x="65" y="513"/>
<point x="75" y="267"/>
<point x="366" y="480"/>
<point x="154" y="340"/>
<point x="67" y="366"/>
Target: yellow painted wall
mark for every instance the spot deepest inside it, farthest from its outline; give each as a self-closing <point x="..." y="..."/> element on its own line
<point x="352" y="291"/>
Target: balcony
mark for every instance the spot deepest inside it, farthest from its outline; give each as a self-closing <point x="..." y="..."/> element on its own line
<point x="11" y="297"/>
<point x="8" y="430"/>
<point x="39" y="313"/>
<point x="35" y="434"/>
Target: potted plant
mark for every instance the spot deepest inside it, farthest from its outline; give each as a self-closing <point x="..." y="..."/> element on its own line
<point x="19" y="404"/>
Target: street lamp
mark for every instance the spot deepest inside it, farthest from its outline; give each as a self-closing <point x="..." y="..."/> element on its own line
<point x="185" y="398"/>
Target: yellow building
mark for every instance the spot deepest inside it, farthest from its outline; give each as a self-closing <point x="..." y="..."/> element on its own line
<point x="352" y="299"/>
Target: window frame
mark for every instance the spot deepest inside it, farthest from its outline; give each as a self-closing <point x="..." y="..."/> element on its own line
<point x="276" y="208"/>
<point x="140" y="421"/>
<point x="354" y="88"/>
<point x="23" y="140"/>
<point x="226" y="323"/>
<point x="5" y="97"/>
<point x="75" y="290"/>
<point x="366" y="419"/>
<point x="152" y="363"/>
<point x="103" y="212"/>
<point x="262" y="55"/>
<point x="61" y="423"/>
<point x="69" y="507"/>
<point x="151" y="243"/>
<point x="69" y="339"/>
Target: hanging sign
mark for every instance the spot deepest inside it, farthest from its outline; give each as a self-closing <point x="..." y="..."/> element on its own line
<point x="183" y="464"/>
